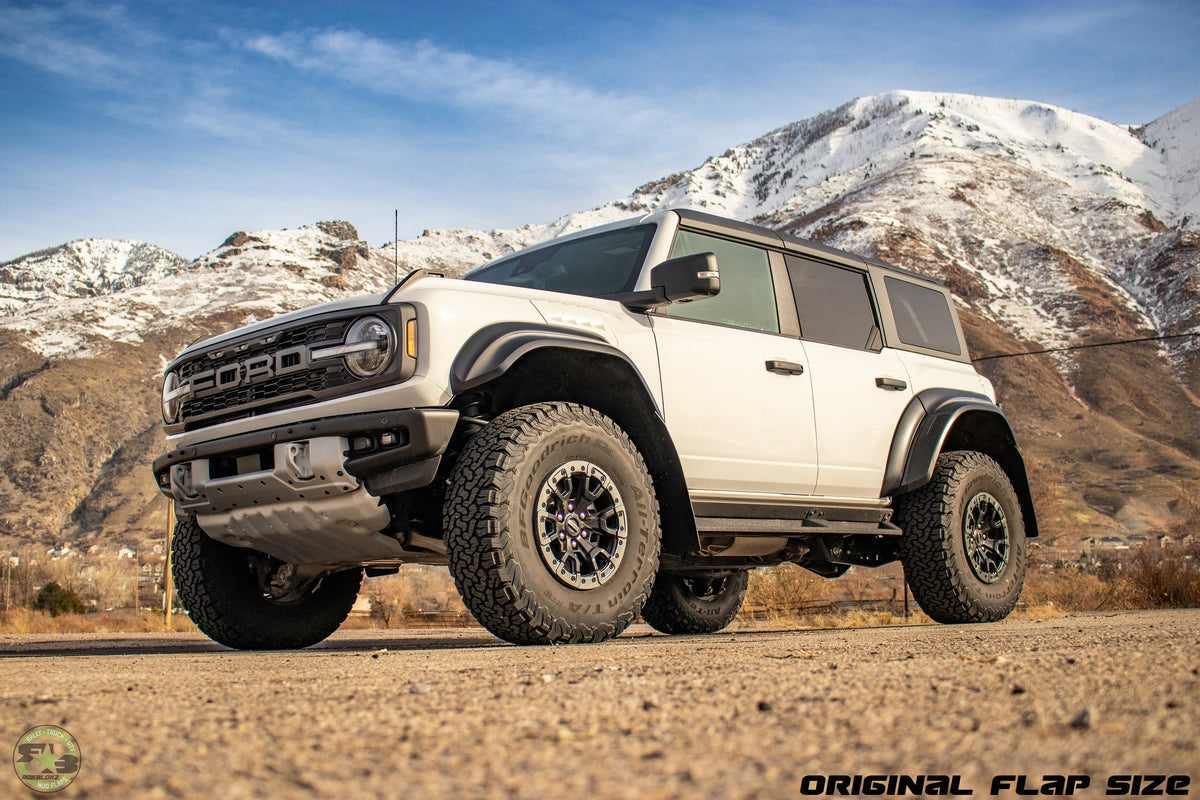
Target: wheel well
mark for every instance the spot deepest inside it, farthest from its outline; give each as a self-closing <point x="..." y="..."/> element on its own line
<point x="989" y="433"/>
<point x="614" y="388"/>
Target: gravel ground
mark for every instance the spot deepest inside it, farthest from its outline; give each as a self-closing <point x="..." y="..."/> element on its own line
<point x="458" y="714"/>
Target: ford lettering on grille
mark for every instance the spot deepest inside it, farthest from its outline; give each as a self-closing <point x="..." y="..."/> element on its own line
<point x="256" y="368"/>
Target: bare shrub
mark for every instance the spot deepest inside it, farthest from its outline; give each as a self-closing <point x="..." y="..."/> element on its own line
<point x="401" y="599"/>
<point x="1160" y="578"/>
<point x="785" y="590"/>
<point x="1074" y="589"/>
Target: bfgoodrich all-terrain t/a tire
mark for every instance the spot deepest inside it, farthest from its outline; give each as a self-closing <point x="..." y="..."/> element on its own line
<point x="241" y="598"/>
<point x="963" y="547"/>
<point x="683" y="604"/>
<point x="552" y="526"/>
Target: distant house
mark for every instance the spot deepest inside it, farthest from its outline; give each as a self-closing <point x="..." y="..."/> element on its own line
<point x="1096" y="543"/>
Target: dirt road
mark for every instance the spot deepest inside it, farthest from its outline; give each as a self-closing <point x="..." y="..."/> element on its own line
<point x="458" y="714"/>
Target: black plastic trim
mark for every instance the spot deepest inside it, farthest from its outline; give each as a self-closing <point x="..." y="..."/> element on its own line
<point x="921" y="434"/>
<point x="413" y="276"/>
<point x="746" y="526"/>
<point x="493" y="349"/>
<point x="710" y="223"/>
<point x="918" y="439"/>
<point x="808" y="509"/>
<point x="402" y="479"/>
<point x="428" y="433"/>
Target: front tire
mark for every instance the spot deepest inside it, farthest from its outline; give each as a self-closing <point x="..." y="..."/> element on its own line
<point x="552" y="526"/>
<point x="694" y="604"/>
<point x="242" y="598"/>
<point x="963" y="547"/>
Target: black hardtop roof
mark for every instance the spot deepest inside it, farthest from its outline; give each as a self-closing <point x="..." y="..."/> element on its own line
<point x="785" y="241"/>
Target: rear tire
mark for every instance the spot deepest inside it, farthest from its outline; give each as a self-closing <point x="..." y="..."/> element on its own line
<point x="693" y="604"/>
<point x="963" y="547"/>
<point x="552" y="526"/>
<point x="225" y="592"/>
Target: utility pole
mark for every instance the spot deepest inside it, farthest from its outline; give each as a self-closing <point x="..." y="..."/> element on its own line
<point x="137" y="577"/>
<point x="167" y="583"/>
<point x="7" y="581"/>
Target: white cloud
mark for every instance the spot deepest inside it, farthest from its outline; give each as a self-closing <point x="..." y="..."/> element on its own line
<point x="425" y="72"/>
<point x="1063" y="24"/>
<point x="40" y="36"/>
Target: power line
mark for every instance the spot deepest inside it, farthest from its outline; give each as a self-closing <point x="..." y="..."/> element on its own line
<point x="1087" y="346"/>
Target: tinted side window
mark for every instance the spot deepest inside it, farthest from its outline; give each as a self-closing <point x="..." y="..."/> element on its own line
<point x="834" y="304"/>
<point x="923" y="317"/>
<point x="747" y="297"/>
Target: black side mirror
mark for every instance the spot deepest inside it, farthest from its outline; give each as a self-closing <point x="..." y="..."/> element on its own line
<point x="679" y="280"/>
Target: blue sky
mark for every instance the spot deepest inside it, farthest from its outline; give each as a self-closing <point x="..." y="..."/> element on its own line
<point x="178" y="123"/>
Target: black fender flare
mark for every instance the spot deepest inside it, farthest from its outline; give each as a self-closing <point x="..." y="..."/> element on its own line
<point x="493" y="349"/>
<point x="922" y="432"/>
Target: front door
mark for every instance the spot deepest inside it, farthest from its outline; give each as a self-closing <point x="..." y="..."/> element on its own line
<point x="737" y="395"/>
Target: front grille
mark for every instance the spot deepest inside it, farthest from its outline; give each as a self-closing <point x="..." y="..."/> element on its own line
<point x="241" y="377"/>
<point x="274" y="393"/>
<point x="305" y="384"/>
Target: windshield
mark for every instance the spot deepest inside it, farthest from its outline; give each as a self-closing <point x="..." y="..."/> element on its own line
<point x="594" y="266"/>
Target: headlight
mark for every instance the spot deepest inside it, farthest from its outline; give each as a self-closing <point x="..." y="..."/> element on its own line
<point x="170" y="397"/>
<point x="369" y="346"/>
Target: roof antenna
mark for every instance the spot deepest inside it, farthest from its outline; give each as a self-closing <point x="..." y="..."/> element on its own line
<point x="396" y="251"/>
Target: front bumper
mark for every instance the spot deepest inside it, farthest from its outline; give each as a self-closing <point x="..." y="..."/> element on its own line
<point x="422" y="434"/>
<point x="299" y="493"/>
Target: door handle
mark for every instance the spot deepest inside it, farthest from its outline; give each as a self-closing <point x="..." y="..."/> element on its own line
<point x="780" y="367"/>
<point x="891" y="384"/>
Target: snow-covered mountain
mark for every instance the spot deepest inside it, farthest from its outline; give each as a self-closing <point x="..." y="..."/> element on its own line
<point x="83" y="268"/>
<point x="1176" y="136"/>
<point x="70" y="305"/>
<point x="1051" y="227"/>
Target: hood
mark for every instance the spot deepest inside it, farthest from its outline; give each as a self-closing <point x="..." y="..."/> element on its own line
<point x="361" y="301"/>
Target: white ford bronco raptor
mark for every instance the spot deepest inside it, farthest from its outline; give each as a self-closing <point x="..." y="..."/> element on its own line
<point x="622" y="421"/>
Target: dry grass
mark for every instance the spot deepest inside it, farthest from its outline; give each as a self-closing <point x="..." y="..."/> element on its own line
<point x="783" y="589"/>
<point x="783" y="596"/>
<point x="1147" y="577"/>
<point x="831" y="620"/>
<point x="1073" y="589"/>
<point x="1037" y="611"/>
<point x="26" y="621"/>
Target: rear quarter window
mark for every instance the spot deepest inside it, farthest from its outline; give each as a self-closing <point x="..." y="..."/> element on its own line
<point x="923" y="317"/>
<point x="834" y="303"/>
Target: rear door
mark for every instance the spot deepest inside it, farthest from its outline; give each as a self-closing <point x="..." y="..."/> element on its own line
<point x="860" y="389"/>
